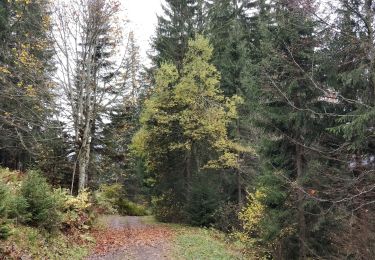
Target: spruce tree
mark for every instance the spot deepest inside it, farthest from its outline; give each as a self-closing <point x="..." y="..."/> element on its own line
<point x="180" y="21"/>
<point x="25" y="82"/>
<point x="228" y="33"/>
<point x="287" y="99"/>
<point x="348" y="72"/>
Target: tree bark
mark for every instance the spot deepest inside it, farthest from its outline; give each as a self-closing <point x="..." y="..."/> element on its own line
<point x="239" y="187"/>
<point x="83" y="163"/>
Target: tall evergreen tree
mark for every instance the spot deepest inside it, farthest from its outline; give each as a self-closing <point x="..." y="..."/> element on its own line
<point x="25" y="82"/>
<point x="228" y="33"/>
<point x="181" y="20"/>
<point x="288" y="101"/>
<point x="348" y="71"/>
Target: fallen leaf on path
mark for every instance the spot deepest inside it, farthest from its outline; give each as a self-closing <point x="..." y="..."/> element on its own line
<point x="113" y="239"/>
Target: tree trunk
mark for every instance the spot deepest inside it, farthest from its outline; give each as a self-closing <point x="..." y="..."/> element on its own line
<point x="188" y="170"/>
<point x="239" y="187"/>
<point x="301" y="196"/>
<point x="83" y="162"/>
<point x="84" y="153"/>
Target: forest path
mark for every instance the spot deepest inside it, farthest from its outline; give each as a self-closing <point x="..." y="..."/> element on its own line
<point x="131" y="238"/>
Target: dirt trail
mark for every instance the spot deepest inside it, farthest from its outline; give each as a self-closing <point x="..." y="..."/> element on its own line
<point x="129" y="238"/>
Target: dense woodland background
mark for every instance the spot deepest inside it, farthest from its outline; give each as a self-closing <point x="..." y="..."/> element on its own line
<point x="256" y="117"/>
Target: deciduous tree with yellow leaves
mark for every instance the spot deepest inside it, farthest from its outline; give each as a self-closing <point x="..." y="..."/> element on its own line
<point x="184" y="124"/>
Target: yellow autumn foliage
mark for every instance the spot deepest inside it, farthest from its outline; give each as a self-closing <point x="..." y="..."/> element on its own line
<point x="254" y="212"/>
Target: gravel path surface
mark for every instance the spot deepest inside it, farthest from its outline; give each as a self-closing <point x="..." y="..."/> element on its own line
<point x="134" y="250"/>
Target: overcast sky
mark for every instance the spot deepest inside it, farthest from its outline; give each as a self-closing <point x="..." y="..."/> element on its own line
<point x="142" y="16"/>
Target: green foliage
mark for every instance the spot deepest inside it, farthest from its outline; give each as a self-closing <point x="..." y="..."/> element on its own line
<point x="226" y="217"/>
<point x="4" y="193"/>
<point x="204" y="201"/>
<point x="129" y="208"/>
<point x="107" y="197"/>
<point x="112" y="192"/>
<point x="4" y="228"/>
<point x="34" y="243"/>
<point x="195" y="103"/>
<point x="111" y="199"/>
<point x="42" y="204"/>
<point x="166" y="208"/>
<point x="5" y="231"/>
<point x="186" y="117"/>
<point x="181" y="20"/>
<point x="18" y="209"/>
<point x="77" y="211"/>
<point x="29" y="199"/>
<point x="25" y="61"/>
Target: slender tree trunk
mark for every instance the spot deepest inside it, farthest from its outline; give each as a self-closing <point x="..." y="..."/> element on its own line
<point x="239" y="177"/>
<point x="239" y="187"/>
<point x="188" y="165"/>
<point x="369" y="20"/>
<point x="301" y="197"/>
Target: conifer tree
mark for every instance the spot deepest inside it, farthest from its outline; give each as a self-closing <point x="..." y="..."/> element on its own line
<point x="287" y="101"/>
<point x="25" y="81"/>
<point x="348" y="72"/>
<point x="227" y="29"/>
<point x="181" y="20"/>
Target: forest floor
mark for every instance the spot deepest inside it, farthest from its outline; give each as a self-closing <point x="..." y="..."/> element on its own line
<point x="142" y="238"/>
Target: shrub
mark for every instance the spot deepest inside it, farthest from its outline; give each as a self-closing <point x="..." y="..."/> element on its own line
<point x="103" y="205"/>
<point x="112" y="192"/>
<point x="110" y="199"/>
<point x="166" y="209"/>
<point x="107" y="198"/>
<point x="77" y="211"/>
<point x="3" y="201"/>
<point x="42" y="205"/>
<point x="203" y="202"/>
<point x="18" y="208"/>
<point x="226" y="217"/>
<point x="4" y="229"/>
<point x="126" y="207"/>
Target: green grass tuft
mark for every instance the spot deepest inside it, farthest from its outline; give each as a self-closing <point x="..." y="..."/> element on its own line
<point x="205" y="244"/>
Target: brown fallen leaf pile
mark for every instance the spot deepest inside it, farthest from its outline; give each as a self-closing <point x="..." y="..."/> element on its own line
<point x="113" y="239"/>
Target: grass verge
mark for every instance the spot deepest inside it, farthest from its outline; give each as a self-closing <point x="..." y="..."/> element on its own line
<point x="200" y="243"/>
<point x="32" y="243"/>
